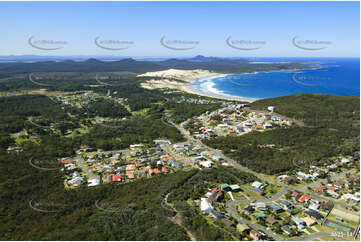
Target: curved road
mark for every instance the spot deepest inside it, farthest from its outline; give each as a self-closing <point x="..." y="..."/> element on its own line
<point x="260" y="176"/>
<point x="285" y="188"/>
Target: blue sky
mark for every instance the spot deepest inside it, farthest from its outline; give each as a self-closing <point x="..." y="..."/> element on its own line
<point x="274" y="24"/>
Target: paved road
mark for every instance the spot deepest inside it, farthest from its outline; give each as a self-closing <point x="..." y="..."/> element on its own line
<point x="84" y="167"/>
<point x="334" y="177"/>
<point x="285" y="188"/>
<point x="251" y="225"/>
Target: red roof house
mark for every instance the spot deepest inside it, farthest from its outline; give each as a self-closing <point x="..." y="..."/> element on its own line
<point x="303" y="198"/>
<point x="117" y="178"/>
<point x="66" y="160"/>
<point x="154" y="171"/>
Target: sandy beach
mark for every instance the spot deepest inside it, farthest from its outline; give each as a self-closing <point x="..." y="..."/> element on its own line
<point x="162" y="80"/>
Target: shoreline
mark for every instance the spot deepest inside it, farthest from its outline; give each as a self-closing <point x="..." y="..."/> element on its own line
<point x="188" y="88"/>
<point x="165" y="80"/>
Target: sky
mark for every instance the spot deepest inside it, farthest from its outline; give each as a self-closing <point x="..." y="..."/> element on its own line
<point x="253" y="29"/>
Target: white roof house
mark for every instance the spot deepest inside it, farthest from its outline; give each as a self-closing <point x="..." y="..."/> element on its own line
<point x="76" y="181"/>
<point x="314" y="206"/>
<point x="333" y="194"/>
<point x="304" y="175"/>
<point x="93" y="182"/>
<point x="271" y="108"/>
<point x="257" y="184"/>
<point x="217" y="158"/>
<point x="345" y="160"/>
<point x="350" y="196"/>
<point x="207" y="164"/>
<point x="206" y="206"/>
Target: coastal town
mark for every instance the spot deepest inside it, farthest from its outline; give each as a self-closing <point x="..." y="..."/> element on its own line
<point x="307" y="202"/>
<point x="319" y="200"/>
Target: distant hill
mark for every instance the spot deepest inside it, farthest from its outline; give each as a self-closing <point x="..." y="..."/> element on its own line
<point x="221" y="65"/>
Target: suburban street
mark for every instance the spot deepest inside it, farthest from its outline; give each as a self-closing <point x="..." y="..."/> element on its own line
<point x="284" y="188"/>
<point x="84" y="167"/>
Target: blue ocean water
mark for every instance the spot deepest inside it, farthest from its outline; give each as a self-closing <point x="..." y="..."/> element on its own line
<point x="338" y="76"/>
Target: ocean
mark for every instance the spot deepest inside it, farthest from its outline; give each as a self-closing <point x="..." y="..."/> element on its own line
<point x="338" y="76"/>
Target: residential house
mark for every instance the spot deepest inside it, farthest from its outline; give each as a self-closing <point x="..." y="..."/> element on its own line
<point x="286" y="229"/>
<point x="309" y="222"/>
<point x="303" y="176"/>
<point x="257" y="184"/>
<point x="206" y="206"/>
<point x="235" y="188"/>
<point x="66" y="160"/>
<point x="118" y="178"/>
<point x="217" y="194"/>
<point x="225" y="187"/>
<point x="206" y="164"/>
<point x="286" y="205"/>
<point x="314" y="214"/>
<point x="259" y="215"/>
<point x="267" y="126"/>
<point x="76" y="181"/>
<point x="255" y="235"/>
<point x="275" y="208"/>
<point x="217" y="158"/>
<point x="282" y="177"/>
<point x="136" y="146"/>
<point x="175" y="163"/>
<point x="304" y="198"/>
<point x="300" y="223"/>
<point x="249" y="209"/>
<point x="152" y="172"/>
<point x="260" y="206"/>
<point x="353" y="198"/>
<point x="333" y="194"/>
<point x="314" y="206"/>
<point x="331" y="187"/>
<point x="271" y="108"/>
<point x="271" y="220"/>
<point x="320" y="189"/>
<point x="345" y="160"/>
<point x="93" y="182"/>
